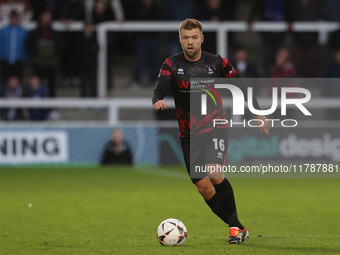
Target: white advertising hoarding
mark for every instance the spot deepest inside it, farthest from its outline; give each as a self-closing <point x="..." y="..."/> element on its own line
<point x="33" y="147"/>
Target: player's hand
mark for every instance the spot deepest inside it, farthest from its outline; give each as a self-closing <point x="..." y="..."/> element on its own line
<point x="160" y="105"/>
<point x="266" y="124"/>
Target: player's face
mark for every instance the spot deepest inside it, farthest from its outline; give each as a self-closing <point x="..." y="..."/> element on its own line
<point x="191" y="41"/>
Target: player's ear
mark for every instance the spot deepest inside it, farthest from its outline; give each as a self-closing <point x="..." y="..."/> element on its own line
<point x="202" y="39"/>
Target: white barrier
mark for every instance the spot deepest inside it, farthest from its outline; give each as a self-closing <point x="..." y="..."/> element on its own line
<point x="114" y="105"/>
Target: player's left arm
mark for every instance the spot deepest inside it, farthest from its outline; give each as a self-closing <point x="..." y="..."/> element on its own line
<point x="162" y="84"/>
<point x="229" y="71"/>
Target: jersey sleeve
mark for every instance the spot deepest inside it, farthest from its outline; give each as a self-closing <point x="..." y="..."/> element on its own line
<point x="227" y="69"/>
<point x="163" y="81"/>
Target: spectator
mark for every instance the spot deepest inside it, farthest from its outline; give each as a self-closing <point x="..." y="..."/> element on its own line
<point x="12" y="90"/>
<point x="335" y="40"/>
<point x="246" y="70"/>
<point x="40" y="6"/>
<point x="331" y="88"/>
<point x="333" y="70"/>
<point x="283" y="67"/>
<point x="43" y="45"/>
<point x="243" y="67"/>
<point x="215" y="10"/>
<point x="117" y="150"/>
<point x="274" y="11"/>
<point x="22" y="7"/>
<point x="36" y="90"/>
<point x="332" y="8"/>
<point x="147" y="43"/>
<point x="110" y="10"/>
<point x="12" y="51"/>
<point x="68" y="11"/>
<point x="88" y="62"/>
<point x="102" y="12"/>
<point x="307" y="49"/>
<point x="178" y="10"/>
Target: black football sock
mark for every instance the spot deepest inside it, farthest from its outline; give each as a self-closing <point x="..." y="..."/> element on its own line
<point x="223" y="204"/>
<point x="215" y="205"/>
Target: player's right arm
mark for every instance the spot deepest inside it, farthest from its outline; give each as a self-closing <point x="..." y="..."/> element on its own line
<point x="163" y="83"/>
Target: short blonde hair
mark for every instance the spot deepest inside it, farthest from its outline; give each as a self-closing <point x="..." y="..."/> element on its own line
<point x="189" y="24"/>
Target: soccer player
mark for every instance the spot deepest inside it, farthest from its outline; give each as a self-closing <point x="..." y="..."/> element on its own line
<point x="197" y="132"/>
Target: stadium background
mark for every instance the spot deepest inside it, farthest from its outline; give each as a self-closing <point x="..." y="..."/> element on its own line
<point x="55" y="199"/>
<point x="153" y="140"/>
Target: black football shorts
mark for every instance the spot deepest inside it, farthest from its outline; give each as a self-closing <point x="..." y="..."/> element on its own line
<point x="208" y="148"/>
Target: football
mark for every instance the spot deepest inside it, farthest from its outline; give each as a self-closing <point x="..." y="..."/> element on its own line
<point x="171" y="232"/>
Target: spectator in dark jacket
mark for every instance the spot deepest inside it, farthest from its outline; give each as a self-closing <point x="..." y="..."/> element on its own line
<point x="40" y="6"/>
<point x="178" y="10"/>
<point x="44" y="47"/>
<point x="331" y="88"/>
<point x="102" y="12"/>
<point x="307" y="48"/>
<point x="147" y="44"/>
<point x="215" y="10"/>
<point x="88" y="46"/>
<point x="36" y="90"/>
<point x="274" y="11"/>
<point x="117" y="150"/>
<point x="243" y="67"/>
<point x="13" y="90"/>
<point x="333" y="70"/>
<point x="68" y="11"/>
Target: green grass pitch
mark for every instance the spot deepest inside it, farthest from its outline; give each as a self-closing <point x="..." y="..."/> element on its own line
<point x="116" y="210"/>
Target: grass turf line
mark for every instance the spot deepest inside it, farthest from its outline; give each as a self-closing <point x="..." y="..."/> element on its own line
<point x="117" y="210"/>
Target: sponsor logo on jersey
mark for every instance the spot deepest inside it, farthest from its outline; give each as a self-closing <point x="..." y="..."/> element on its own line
<point x="180" y="71"/>
<point x="183" y="84"/>
<point x="219" y="155"/>
<point x="210" y="69"/>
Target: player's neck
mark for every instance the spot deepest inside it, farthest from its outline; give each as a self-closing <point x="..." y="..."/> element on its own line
<point x="193" y="58"/>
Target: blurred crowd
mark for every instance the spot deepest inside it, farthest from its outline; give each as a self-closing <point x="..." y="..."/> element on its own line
<point x="34" y="63"/>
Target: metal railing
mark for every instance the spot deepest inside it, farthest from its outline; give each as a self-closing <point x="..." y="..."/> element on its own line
<point x="115" y="105"/>
<point x="221" y="28"/>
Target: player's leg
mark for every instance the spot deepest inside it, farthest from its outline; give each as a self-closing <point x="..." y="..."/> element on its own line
<point x="223" y="202"/>
<point x="213" y="190"/>
<point x="205" y="188"/>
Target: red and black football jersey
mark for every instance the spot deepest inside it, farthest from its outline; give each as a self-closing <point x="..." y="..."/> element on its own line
<point x="176" y="73"/>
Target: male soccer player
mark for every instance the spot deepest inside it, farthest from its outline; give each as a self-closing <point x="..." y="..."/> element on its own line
<point x="200" y="141"/>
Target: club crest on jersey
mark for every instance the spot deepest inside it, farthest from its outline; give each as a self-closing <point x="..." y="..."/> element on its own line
<point x="210" y="69"/>
<point x="180" y="71"/>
